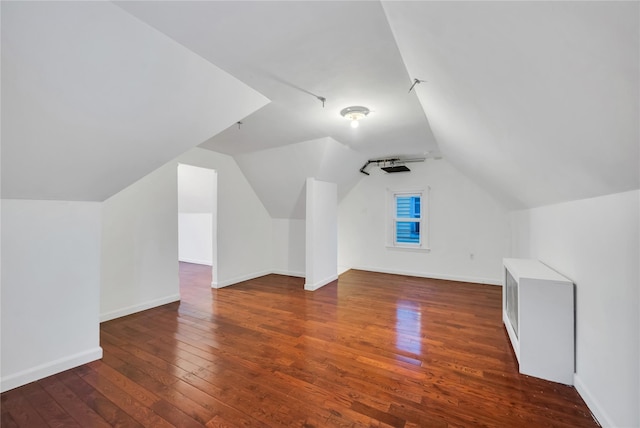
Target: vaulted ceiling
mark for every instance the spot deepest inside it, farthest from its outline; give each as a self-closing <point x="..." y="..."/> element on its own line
<point x="279" y="174"/>
<point x="293" y="52"/>
<point x="93" y="100"/>
<point x="536" y="101"/>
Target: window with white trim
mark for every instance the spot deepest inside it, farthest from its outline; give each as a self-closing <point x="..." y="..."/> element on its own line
<point x="407" y="219"/>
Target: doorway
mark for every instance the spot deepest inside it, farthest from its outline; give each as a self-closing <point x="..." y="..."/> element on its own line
<point x="197" y="216"/>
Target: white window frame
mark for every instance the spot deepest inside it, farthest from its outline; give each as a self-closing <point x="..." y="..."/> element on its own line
<point x="391" y="243"/>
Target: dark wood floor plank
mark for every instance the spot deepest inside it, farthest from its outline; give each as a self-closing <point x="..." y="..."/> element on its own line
<point x="141" y="394"/>
<point x="21" y="410"/>
<point x="77" y="409"/>
<point x="49" y="409"/>
<point x="7" y="421"/>
<point x="174" y="415"/>
<point x="137" y="410"/>
<point x="370" y="350"/>
<point x="100" y="404"/>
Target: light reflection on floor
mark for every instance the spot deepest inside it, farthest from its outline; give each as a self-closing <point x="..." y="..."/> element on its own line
<point x="408" y="326"/>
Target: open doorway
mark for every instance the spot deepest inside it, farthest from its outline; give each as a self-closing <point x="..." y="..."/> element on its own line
<point x="197" y="216"/>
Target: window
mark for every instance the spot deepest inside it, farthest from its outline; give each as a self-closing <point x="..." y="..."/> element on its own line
<point x="407" y="219"/>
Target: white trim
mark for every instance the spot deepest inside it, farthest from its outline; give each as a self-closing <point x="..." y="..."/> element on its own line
<point x="476" y="280"/>
<point x="424" y="220"/>
<point x="288" y="273"/>
<point x="408" y="248"/>
<point x="597" y="411"/>
<point x="343" y="269"/>
<point x="321" y="283"/>
<point x="108" y="316"/>
<point x="242" y="278"/>
<point x="196" y="261"/>
<point x="515" y="343"/>
<point x="39" y="372"/>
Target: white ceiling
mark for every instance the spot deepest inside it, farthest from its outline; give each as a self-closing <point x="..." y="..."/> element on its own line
<point x="292" y="52"/>
<point x="278" y="175"/>
<point x="93" y="100"/>
<point x="536" y="101"/>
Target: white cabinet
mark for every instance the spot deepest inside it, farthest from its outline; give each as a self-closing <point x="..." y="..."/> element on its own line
<point x="538" y="313"/>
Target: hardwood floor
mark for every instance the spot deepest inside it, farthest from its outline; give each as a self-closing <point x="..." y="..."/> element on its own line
<point x="371" y="350"/>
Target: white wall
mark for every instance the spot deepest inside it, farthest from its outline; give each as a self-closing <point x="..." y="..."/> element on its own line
<point x="197" y="188"/>
<point x="468" y="231"/>
<point x="244" y="228"/>
<point x="140" y="245"/>
<point x="195" y="238"/>
<point x="50" y="288"/>
<point x="595" y="243"/>
<point x="140" y="236"/>
<point x="321" y="258"/>
<point x="288" y="246"/>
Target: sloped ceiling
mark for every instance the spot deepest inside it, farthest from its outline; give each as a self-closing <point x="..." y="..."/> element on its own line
<point x="293" y="51"/>
<point x="93" y="99"/>
<point x="279" y="174"/>
<point x="537" y="101"/>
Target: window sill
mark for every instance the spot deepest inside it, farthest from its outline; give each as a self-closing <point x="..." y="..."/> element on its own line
<point x="414" y="249"/>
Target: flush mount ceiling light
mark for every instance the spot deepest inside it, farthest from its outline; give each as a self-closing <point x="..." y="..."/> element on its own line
<point x="354" y="114"/>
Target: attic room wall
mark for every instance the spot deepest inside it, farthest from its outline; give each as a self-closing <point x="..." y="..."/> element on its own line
<point x="288" y="247"/>
<point x="594" y="242"/>
<point x="468" y="230"/>
<point x="321" y="234"/>
<point x="50" y="288"/>
<point x="244" y="228"/>
<point x="140" y="236"/>
<point x="140" y="245"/>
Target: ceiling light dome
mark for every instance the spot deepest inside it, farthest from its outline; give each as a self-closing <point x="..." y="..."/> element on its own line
<point x="354" y="114"/>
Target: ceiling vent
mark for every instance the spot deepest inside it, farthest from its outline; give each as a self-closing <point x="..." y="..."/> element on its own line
<point x="397" y="168"/>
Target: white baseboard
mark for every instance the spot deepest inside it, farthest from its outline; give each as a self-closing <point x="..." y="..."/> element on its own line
<point x="196" y="261"/>
<point x="108" y="316"/>
<point x="289" y="273"/>
<point x="232" y="281"/>
<point x="476" y="280"/>
<point x="598" y="412"/>
<point x="228" y="282"/>
<point x="343" y="269"/>
<point x="321" y="283"/>
<point x="35" y="373"/>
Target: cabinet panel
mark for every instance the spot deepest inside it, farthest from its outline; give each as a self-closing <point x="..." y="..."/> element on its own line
<point x="543" y="335"/>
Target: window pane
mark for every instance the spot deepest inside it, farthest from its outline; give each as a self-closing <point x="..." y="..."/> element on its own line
<point x="408" y="232"/>
<point x="407" y="206"/>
